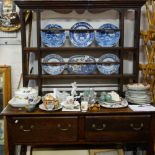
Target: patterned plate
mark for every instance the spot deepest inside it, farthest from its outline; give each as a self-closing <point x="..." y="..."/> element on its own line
<point x="53" y="69"/>
<point x="81" y="38"/>
<point x="107" y="37"/>
<point x="19" y="103"/>
<point x="138" y="86"/>
<point x="55" y="38"/>
<point x="138" y="101"/>
<point x="81" y="68"/>
<point x="108" y="68"/>
<point x="42" y="107"/>
<point x="122" y="104"/>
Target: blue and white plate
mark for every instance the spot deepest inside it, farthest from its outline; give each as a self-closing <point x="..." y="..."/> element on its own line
<point x="108" y="68"/>
<point x="53" y="37"/>
<point x="82" y="68"/>
<point x="108" y="36"/>
<point x="81" y="38"/>
<point x="53" y="69"/>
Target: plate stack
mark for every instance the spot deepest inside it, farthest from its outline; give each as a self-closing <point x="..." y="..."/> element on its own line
<point x="138" y="93"/>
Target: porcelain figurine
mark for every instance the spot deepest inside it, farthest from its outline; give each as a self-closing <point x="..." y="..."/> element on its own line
<point x="74" y="88"/>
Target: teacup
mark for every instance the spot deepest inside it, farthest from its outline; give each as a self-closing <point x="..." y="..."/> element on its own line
<point x="108" y="97"/>
<point x="84" y="106"/>
<point x="103" y="93"/>
<point x="30" y="107"/>
<point x="70" y="100"/>
<point x="102" y="98"/>
<point x="49" y="106"/>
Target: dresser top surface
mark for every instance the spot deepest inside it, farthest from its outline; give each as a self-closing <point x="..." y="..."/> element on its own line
<point x="10" y="111"/>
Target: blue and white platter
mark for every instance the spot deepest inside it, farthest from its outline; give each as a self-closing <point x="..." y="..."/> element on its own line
<point x="108" y="68"/>
<point x="81" y="38"/>
<point x="107" y="35"/>
<point x="53" y="37"/>
<point x="82" y="68"/>
<point x="53" y="69"/>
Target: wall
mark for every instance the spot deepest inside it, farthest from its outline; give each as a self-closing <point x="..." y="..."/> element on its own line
<point x="11" y="55"/>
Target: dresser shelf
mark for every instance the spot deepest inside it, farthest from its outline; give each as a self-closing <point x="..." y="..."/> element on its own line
<point x="124" y="51"/>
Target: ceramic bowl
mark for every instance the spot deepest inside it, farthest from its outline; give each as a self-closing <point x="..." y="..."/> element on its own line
<point x="30" y="107"/>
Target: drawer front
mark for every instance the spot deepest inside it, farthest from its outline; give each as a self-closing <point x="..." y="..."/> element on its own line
<point x="124" y="128"/>
<point x="56" y="129"/>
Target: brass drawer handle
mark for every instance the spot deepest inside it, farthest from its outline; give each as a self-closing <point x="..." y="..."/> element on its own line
<point x="99" y="129"/>
<point x="26" y="130"/>
<point x="64" y="129"/>
<point x="137" y="128"/>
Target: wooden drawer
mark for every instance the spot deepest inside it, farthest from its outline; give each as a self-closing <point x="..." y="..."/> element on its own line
<point x="112" y="128"/>
<point x="45" y="129"/>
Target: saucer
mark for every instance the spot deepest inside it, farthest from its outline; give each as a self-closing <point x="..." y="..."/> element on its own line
<point x="42" y="107"/>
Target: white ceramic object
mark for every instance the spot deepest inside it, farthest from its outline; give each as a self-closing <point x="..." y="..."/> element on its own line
<point x="121" y="104"/>
<point x="138" y="86"/>
<point x="84" y="106"/>
<point x="42" y="107"/>
<point x="19" y="103"/>
<point x="70" y="106"/>
<point x="26" y="92"/>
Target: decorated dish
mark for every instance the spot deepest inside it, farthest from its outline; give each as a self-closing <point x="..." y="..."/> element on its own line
<point x="138" y="86"/>
<point x="108" y="68"/>
<point x="81" y="38"/>
<point x="53" y="36"/>
<point x="86" y="68"/>
<point x="42" y="107"/>
<point x="107" y="35"/>
<point x="121" y="104"/>
<point x="19" y="103"/>
<point x="53" y="69"/>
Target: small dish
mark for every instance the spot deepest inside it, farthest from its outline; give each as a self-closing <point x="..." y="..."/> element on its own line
<point x="42" y="107"/>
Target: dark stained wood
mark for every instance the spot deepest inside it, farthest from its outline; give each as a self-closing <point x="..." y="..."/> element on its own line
<point x="75" y="4"/>
<point x="106" y="125"/>
<point x="86" y="49"/>
<point x="10" y="111"/>
<point x="120" y="6"/>
<point x="108" y="128"/>
<point x="136" y="42"/>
